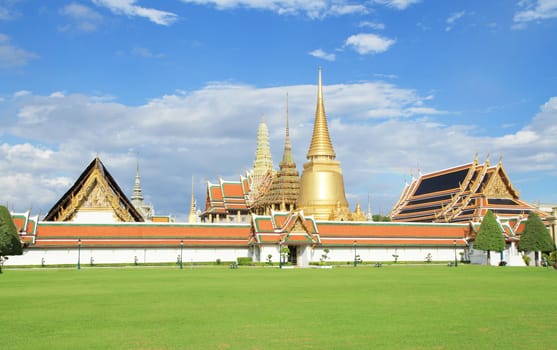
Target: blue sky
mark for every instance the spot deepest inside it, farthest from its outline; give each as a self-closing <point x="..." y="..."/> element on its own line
<point x="182" y="86"/>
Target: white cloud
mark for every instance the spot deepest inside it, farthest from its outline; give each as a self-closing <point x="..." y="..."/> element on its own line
<point x="21" y="93"/>
<point x="372" y="25"/>
<point x="345" y="9"/>
<point x="379" y="131"/>
<point x="312" y="8"/>
<point x="128" y="7"/>
<point x="322" y="54"/>
<point x="144" y="52"/>
<point x="6" y="11"/>
<point x="385" y="76"/>
<point x="398" y="4"/>
<point x="201" y="126"/>
<point x="12" y="56"/>
<point x="369" y="43"/>
<point x="4" y="14"/>
<point x="452" y="19"/>
<point x="83" y="17"/>
<point x="535" y="11"/>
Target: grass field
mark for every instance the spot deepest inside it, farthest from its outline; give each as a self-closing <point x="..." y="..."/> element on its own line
<point x="394" y="307"/>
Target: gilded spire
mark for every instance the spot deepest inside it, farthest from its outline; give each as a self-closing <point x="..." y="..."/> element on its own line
<point x="321" y="145"/>
<point x="263" y="161"/>
<point x="321" y="185"/>
<point x="287" y="154"/>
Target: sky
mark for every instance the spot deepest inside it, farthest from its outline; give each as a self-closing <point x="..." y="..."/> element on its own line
<point x="180" y="87"/>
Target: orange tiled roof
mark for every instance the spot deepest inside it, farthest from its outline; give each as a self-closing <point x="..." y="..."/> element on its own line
<point x="64" y="234"/>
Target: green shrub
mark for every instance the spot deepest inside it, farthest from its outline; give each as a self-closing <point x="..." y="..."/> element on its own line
<point x="526" y="259"/>
<point x="552" y="258"/>
<point x="245" y="261"/>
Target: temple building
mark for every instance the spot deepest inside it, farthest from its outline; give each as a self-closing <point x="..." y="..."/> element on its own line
<point x="227" y="201"/>
<point x="462" y="194"/>
<point x="95" y="197"/>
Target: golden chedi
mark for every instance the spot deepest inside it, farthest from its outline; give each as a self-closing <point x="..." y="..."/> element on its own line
<point x="322" y="186"/>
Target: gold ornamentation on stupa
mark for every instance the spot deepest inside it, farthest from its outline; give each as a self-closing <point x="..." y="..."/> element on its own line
<point x="322" y="186"/>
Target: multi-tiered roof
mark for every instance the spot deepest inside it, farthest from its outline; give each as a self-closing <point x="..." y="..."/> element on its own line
<point x="460" y="194"/>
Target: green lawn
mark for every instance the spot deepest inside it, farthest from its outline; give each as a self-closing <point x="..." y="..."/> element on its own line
<point x="394" y="307"/>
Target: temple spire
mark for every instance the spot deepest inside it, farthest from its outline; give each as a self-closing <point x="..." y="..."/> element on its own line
<point x="321" y="145"/>
<point x="263" y="161"/>
<point x="137" y="196"/>
<point x="287" y="154"/>
<point x="321" y="185"/>
<point x="285" y="187"/>
<point x="146" y="210"/>
<point x="192" y="217"/>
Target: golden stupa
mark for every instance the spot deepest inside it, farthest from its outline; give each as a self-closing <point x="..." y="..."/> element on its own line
<point x="322" y="186"/>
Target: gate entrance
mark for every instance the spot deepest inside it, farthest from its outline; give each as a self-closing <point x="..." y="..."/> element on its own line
<point x="293" y="255"/>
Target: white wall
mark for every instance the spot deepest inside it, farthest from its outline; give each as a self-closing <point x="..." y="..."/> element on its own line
<point x="383" y="254"/>
<point x="55" y="256"/>
<point x="511" y="256"/>
<point x="306" y="254"/>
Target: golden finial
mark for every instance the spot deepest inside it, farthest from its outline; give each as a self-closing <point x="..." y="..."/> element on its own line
<point x="287" y="154"/>
<point x="321" y="145"/>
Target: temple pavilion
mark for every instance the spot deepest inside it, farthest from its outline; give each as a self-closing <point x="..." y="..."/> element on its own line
<point x="462" y="194"/>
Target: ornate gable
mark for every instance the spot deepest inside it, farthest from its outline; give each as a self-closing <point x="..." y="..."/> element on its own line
<point x="95" y="195"/>
<point x="499" y="185"/>
<point x="284" y="227"/>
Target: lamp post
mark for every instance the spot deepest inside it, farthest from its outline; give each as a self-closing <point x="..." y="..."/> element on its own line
<point x="181" y="254"/>
<point x="355" y="254"/>
<point x="455" y="261"/>
<point x="79" y="253"/>
<point x="280" y="256"/>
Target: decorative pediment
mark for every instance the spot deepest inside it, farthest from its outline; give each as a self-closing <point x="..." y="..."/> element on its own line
<point x="497" y="188"/>
<point x="500" y="186"/>
<point x="286" y="227"/>
<point x="95" y="190"/>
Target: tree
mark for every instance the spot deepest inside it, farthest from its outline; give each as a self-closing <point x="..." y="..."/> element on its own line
<point x="380" y="218"/>
<point x="10" y="243"/>
<point x="489" y="236"/>
<point x="535" y="237"/>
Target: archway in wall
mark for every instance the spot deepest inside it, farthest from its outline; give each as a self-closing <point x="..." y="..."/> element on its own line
<point x="293" y="255"/>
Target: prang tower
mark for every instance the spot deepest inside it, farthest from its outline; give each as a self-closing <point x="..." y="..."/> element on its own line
<point x="322" y="186"/>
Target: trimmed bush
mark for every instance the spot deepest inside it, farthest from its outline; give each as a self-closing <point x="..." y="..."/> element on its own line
<point x="245" y="261"/>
